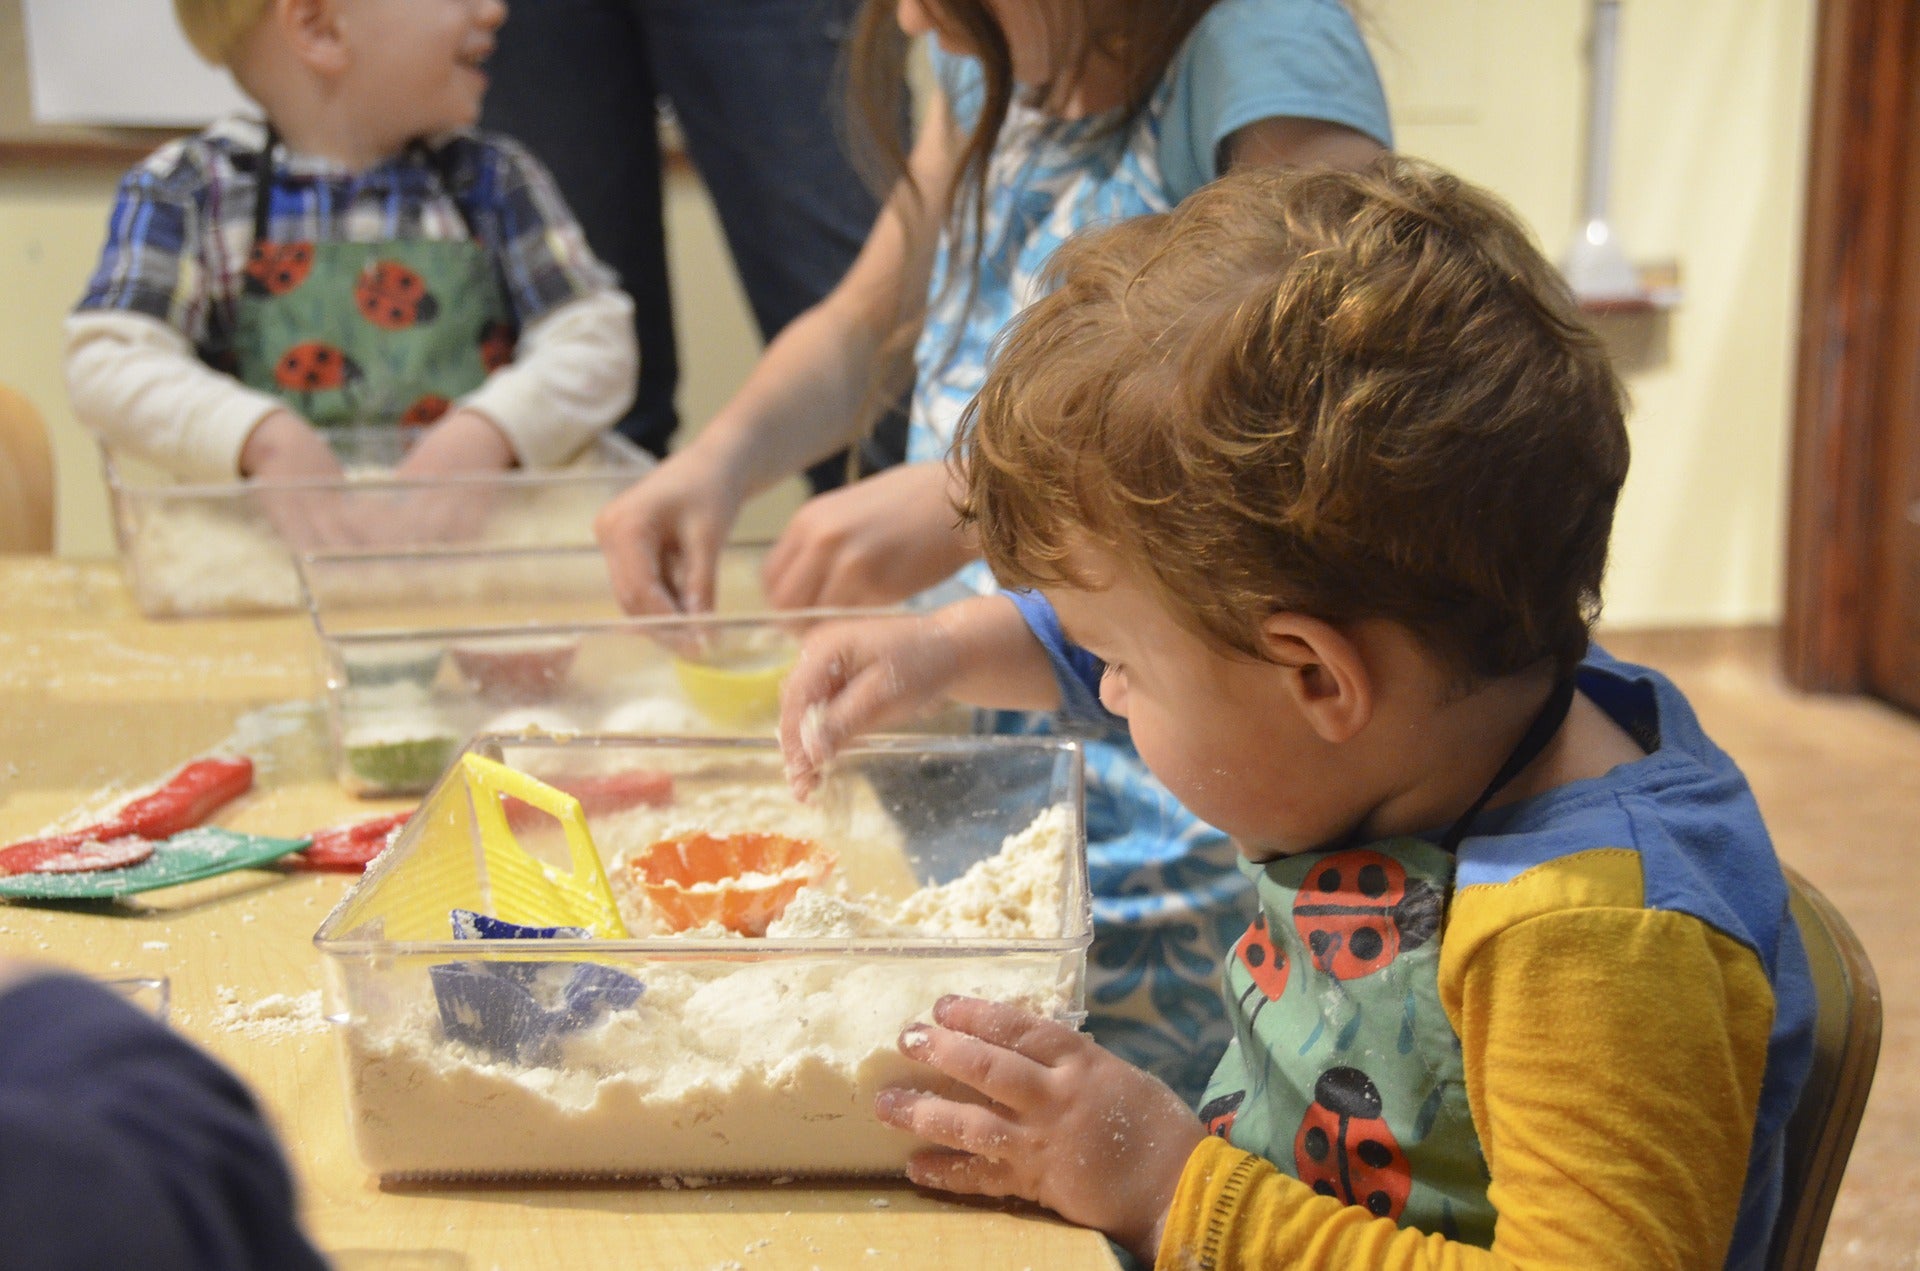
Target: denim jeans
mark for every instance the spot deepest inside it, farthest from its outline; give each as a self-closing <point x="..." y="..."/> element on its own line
<point x="756" y="88"/>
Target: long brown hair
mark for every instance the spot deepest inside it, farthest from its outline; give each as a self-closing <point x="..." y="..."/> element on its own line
<point x="1140" y="36"/>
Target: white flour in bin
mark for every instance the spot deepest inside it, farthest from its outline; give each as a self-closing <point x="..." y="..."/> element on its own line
<point x="762" y="1067"/>
<point x="207" y="555"/>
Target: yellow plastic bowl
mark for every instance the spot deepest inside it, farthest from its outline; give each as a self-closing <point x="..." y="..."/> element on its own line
<point x="736" y="693"/>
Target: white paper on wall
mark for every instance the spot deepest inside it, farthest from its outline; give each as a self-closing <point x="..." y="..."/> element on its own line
<point x="119" y="62"/>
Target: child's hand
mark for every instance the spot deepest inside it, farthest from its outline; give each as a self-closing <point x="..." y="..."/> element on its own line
<point x="285" y="448"/>
<point x="874" y="542"/>
<point x="856" y="676"/>
<point x="464" y="443"/>
<point x="662" y="535"/>
<point x="1070" y="1126"/>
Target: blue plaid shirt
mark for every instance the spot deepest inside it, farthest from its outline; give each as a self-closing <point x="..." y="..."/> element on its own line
<point x="183" y="223"/>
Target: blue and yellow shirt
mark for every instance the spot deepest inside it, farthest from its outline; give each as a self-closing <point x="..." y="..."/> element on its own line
<point x="1577" y="1043"/>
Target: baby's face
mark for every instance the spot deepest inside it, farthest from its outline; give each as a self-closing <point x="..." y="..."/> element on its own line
<point x="1219" y="730"/>
<point x="417" y="66"/>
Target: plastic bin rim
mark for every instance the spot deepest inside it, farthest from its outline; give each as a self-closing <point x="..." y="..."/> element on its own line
<point x="633" y="462"/>
<point x="591" y="626"/>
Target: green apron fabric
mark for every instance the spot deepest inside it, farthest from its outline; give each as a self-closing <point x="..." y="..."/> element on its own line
<point x="1344" y="1070"/>
<point x="369" y="333"/>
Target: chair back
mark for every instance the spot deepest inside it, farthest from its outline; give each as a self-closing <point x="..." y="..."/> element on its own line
<point x="1846" y="1047"/>
<point x="26" y="477"/>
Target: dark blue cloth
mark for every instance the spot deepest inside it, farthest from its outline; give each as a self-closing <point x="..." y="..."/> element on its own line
<point x="121" y="1145"/>
<point x="755" y="87"/>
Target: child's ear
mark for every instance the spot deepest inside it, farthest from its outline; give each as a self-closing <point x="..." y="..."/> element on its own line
<point x="312" y="29"/>
<point x="1325" y="674"/>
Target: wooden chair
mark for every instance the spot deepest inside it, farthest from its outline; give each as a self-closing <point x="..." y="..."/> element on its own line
<point x="26" y="477"/>
<point x="1846" y="1046"/>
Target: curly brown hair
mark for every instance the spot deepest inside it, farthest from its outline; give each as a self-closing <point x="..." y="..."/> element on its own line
<point x="1347" y="394"/>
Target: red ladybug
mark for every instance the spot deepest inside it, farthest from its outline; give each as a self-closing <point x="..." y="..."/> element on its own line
<point x="1218" y="1114"/>
<point x="313" y="367"/>
<point x="1266" y="965"/>
<point x="1358" y="911"/>
<point x="425" y="411"/>
<point x="393" y="297"/>
<point x="274" y="269"/>
<point x="496" y="345"/>
<point x="1344" y="1149"/>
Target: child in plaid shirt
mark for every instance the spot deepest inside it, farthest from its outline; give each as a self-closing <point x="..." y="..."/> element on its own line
<point x="358" y="256"/>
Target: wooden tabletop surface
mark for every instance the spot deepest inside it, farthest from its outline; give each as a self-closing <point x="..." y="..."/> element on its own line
<point x="93" y="698"/>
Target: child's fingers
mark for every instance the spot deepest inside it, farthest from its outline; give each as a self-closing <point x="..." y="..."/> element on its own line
<point x="633" y="566"/>
<point x="1042" y="1040"/>
<point x="964" y="1127"/>
<point x="1004" y="1076"/>
<point x="804" y="740"/>
<point x="696" y="566"/>
<point x="795" y="572"/>
<point x="963" y="1173"/>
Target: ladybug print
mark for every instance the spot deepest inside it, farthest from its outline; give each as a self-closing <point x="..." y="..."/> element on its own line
<point x="393" y="297"/>
<point x="274" y="269"/>
<point x="425" y="411"/>
<point x="496" y="345"/>
<point x="1266" y="965"/>
<point x="1218" y="1114"/>
<point x="1357" y="911"/>
<point x="1344" y="1149"/>
<point x="314" y="366"/>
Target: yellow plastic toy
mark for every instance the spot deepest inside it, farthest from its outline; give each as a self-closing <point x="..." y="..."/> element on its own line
<point x="526" y="890"/>
<point x="736" y="683"/>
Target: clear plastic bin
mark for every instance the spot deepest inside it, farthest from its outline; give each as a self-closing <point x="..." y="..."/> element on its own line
<point x="424" y="649"/>
<point x="199" y="550"/>
<point x="703" y="1053"/>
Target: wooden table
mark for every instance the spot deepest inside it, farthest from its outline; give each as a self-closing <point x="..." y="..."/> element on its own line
<point x="93" y="697"/>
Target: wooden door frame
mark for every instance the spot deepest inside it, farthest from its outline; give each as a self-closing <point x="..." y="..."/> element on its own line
<point x="1858" y="303"/>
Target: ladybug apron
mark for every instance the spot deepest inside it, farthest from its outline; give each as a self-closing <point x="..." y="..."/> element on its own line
<point x="1344" y="1070"/>
<point x="368" y="333"/>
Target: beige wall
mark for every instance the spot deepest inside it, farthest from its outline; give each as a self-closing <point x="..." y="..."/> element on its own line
<point x="1709" y="173"/>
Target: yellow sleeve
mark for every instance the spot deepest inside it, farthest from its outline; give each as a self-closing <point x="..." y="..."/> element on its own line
<point x="1613" y="1061"/>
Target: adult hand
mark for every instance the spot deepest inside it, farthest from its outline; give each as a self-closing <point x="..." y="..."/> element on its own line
<point x="875" y="542"/>
<point x="464" y="443"/>
<point x="662" y="535"/>
<point x="1069" y="1125"/>
<point x="285" y="448"/>
<point x="852" y="677"/>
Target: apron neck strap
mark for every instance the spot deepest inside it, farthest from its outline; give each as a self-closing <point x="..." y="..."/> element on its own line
<point x="1545" y="724"/>
<point x="263" y="184"/>
<point x="439" y="160"/>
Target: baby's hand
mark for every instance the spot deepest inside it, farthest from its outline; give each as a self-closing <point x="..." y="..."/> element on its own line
<point x="465" y="443"/>
<point x="853" y="677"/>
<point x="285" y="448"/>
<point x="1070" y="1126"/>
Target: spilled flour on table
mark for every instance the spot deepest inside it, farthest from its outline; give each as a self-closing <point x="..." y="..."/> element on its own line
<point x="273" y="1016"/>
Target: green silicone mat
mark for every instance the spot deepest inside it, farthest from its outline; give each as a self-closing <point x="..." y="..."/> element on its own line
<point x="184" y="858"/>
